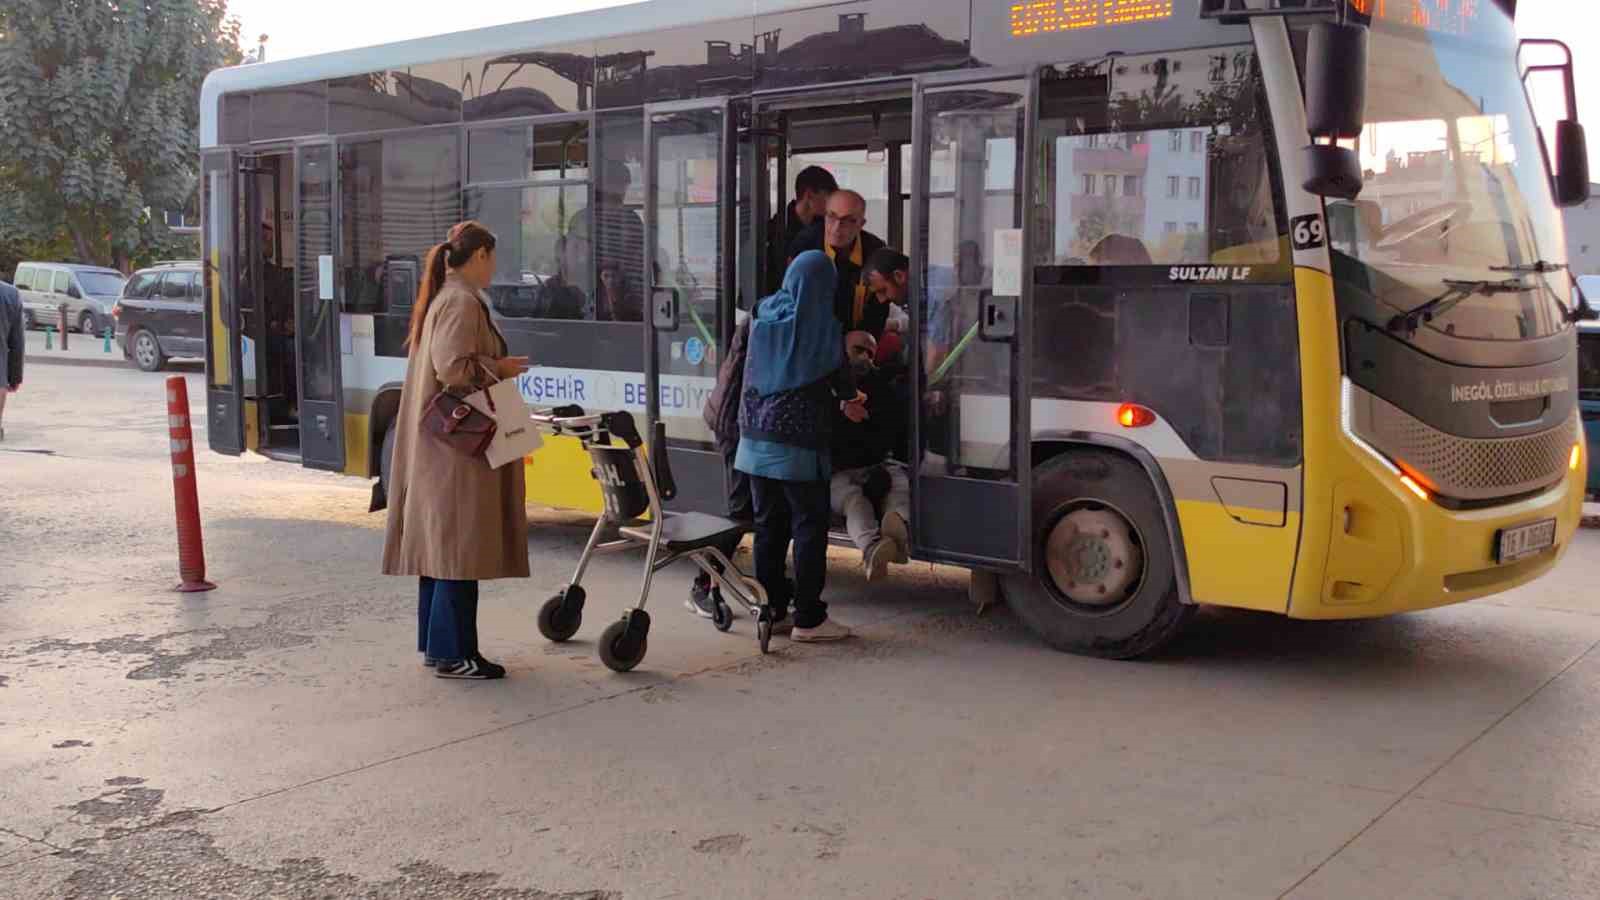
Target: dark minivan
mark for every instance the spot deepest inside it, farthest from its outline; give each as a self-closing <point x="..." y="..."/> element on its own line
<point x="159" y="315"/>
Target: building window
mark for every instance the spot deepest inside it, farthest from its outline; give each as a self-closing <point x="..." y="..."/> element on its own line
<point x="1171" y="228"/>
<point x="1088" y="185"/>
<point x="1197" y="141"/>
<point x="1175" y="141"/>
<point x="1130" y="185"/>
<point x="1172" y="185"/>
<point x="1192" y="227"/>
<point x="1194" y="188"/>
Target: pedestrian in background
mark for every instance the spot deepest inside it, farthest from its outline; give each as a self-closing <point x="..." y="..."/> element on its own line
<point x="795" y="382"/>
<point x="453" y="520"/>
<point x="13" y="344"/>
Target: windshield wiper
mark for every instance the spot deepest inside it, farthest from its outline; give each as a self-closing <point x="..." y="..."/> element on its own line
<point x="1537" y="267"/>
<point x="1457" y="291"/>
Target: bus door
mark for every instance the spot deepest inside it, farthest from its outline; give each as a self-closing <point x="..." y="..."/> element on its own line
<point x="224" y="375"/>
<point x="970" y="294"/>
<point x="690" y="264"/>
<point x="316" y="311"/>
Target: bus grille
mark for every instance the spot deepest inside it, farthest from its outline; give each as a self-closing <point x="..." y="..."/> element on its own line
<point x="1471" y="468"/>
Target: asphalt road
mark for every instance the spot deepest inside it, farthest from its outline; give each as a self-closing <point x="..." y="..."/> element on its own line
<point x="278" y="737"/>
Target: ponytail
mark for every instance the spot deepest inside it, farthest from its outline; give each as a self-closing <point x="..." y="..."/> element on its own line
<point x="465" y="239"/>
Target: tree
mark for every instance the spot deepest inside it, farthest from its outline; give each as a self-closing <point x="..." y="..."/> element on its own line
<point x="99" y="118"/>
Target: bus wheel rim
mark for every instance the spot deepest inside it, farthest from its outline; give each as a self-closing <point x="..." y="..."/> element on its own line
<point x="1094" y="558"/>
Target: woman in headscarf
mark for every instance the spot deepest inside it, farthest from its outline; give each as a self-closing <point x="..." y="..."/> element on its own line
<point x="795" y="378"/>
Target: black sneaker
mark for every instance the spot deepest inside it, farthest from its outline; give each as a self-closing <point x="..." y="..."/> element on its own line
<point x="475" y="669"/>
<point x="703" y="600"/>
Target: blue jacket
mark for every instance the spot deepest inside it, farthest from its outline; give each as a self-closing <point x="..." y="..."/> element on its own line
<point x="13" y="341"/>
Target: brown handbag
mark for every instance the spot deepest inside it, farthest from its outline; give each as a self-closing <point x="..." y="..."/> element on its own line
<point x="451" y="419"/>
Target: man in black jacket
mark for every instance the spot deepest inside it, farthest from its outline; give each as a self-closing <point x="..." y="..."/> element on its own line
<point x="812" y="188"/>
<point x="13" y="344"/>
<point x="841" y="234"/>
<point x="862" y="459"/>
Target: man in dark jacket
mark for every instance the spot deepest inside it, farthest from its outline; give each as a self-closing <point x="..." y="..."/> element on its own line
<point x="812" y="188"/>
<point x="13" y="344"/>
<point x="862" y="458"/>
<point x="721" y="416"/>
<point x="841" y="234"/>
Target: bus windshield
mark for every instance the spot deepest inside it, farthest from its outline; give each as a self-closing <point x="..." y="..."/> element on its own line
<point x="1455" y="185"/>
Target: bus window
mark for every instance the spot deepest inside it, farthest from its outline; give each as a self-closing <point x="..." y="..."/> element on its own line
<point x="1131" y="147"/>
<point x="538" y="206"/>
<point x="401" y="196"/>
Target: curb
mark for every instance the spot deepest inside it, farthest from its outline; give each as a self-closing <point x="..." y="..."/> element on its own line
<point x="112" y="360"/>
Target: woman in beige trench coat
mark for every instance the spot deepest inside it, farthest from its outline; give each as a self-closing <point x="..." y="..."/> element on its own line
<point x="453" y="521"/>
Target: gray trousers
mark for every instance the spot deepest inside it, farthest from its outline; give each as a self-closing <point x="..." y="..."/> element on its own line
<point x="849" y="496"/>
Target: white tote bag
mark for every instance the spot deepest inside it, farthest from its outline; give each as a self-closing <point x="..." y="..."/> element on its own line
<point x="515" y="435"/>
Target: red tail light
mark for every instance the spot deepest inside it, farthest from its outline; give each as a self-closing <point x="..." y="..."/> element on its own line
<point x="1132" y="415"/>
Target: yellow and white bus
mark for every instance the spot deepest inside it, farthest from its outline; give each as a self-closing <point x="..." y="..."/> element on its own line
<point x="1253" y="303"/>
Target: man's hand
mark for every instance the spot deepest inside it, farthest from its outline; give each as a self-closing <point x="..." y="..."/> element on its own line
<point x="856" y="409"/>
<point x="510" y="366"/>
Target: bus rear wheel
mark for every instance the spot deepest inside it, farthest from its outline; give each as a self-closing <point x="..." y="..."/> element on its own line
<point x="1104" y="582"/>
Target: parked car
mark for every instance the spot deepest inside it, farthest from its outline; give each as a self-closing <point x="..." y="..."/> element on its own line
<point x="89" y="292"/>
<point x="160" y="316"/>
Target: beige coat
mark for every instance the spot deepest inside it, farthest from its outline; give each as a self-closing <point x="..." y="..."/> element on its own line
<point x="450" y="515"/>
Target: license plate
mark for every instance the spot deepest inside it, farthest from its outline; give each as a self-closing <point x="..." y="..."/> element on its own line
<point x="1512" y="544"/>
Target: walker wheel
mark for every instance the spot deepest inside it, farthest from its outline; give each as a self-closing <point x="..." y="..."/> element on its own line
<point x="722" y="616"/>
<point x="562" y="615"/>
<point x="764" y="628"/>
<point x="619" y="650"/>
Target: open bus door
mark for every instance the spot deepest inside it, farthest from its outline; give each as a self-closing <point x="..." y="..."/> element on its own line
<point x="690" y="268"/>
<point x="224" y="371"/>
<point x="316" y="313"/>
<point x="971" y="295"/>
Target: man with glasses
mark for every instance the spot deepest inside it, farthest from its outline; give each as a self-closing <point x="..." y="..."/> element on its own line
<point x="841" y="234"/>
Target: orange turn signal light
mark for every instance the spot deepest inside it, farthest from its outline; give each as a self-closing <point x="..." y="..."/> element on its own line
<point x="1132" y="415"/>
<point x="1577" y="456"/>
<point x="1419" y="490"/>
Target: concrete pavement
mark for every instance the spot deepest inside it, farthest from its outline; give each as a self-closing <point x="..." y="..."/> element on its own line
<point x="278" y="737"/>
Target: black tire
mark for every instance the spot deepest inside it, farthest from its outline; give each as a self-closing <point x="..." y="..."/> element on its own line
<point x="764" y="629"/>
<point x="558" y="622"/>
<point x="722" y="616"/>
<point x="618" y="652"/>
<point x="146" y="351"/>
<point x="1148" y="613"/>
<point x="386" y="459"/>
<point x="88" y="323"/>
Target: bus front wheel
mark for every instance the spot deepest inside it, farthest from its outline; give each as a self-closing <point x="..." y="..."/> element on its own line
<point x="1104" y="582"/>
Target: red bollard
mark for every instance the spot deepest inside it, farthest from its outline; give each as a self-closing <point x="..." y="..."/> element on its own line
<point x="191" y="548"/>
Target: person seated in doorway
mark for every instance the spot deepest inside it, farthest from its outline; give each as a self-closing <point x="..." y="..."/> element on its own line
<point x="842" y="236"/>
<point x="812" y="188"/>
<point x="863" y="454"/>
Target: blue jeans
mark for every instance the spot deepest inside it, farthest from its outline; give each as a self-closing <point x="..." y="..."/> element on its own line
<point x="447" y="619"/>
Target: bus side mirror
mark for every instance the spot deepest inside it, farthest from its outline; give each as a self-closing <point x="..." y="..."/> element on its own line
<point x="1570" y="180"/>
<point x="1572" y="164"/>
<point x="1336" y="96"/>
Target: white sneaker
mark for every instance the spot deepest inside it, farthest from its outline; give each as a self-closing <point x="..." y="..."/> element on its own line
<point x="875" y="559"/>
<point x="895" y="528"/>
<point x="829" y="630"/>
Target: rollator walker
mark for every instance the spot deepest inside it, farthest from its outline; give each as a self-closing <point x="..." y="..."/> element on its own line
<point x="632" y="484"/>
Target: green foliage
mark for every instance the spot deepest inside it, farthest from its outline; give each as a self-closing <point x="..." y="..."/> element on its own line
<point x="99" y="119"/>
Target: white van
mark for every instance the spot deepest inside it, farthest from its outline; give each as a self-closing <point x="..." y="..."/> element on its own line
<point x="89" y="292"/>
